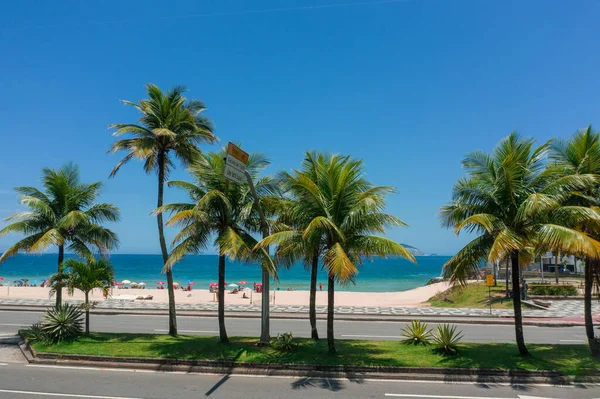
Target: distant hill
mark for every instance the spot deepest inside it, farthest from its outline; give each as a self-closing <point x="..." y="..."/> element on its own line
<point x="414" y="250"/>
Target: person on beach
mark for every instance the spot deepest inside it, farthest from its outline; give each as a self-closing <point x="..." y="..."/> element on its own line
<point x="320" y="286"/>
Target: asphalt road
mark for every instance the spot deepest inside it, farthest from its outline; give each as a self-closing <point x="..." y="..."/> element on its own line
<point x="18" y="381"/>
<point x="11" y="322"/>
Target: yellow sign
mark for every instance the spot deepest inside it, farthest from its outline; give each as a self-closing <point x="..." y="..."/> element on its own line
<point x="237" y="153"/>
<point x="489" y="280"/>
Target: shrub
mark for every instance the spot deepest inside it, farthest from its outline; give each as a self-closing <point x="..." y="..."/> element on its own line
<point x="284" y="342"/>
<point x="63" y="322"/>
<point x="553" y="290"/>
<point x="446" y="338"/>
<point x="36" y="333"/>
<point x="416" y="333"/>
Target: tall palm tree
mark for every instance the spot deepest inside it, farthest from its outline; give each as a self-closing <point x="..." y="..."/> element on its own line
<point x="170" y="126"/>
<point x="293" y="248"/>
<point x="219" y="209"/>
<point x="337" y="211"/>
<point x="514" y="203"/>
<point x="581" y="155"/>
<point x="64" y="214"/>
<point x="85" y="276"/>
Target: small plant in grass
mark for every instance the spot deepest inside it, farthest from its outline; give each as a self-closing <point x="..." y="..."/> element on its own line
<point x="447" y="338"/>
<point x="35" y="333"/>
<point x="416" y="333"/>
<point x="63" y="322"/>
<point x="284" y="342"/>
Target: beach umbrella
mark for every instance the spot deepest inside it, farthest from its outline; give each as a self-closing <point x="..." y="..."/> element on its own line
<point x="142" y="283"/>
<point x="213" y="285"/>
<point x="232" y="285"/>
<point x="1" y="278"/>
<point x="242" y="282"/>
<point x="161" y="283"/>
<point x="126" y="282"/>
<point x="175" y="283"/>
<point x="191" y="283"/>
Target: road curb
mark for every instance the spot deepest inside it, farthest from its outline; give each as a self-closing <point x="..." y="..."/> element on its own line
<point x="494" y="320"/>
<point x="303" y="370"/>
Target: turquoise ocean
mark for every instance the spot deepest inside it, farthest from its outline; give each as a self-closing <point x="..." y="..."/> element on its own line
<point x="377" y="275"/>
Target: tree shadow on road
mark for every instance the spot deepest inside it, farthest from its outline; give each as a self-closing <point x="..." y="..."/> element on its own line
<point x="330" y="384"/>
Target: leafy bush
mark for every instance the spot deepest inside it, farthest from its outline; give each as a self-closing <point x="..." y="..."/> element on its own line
<point x="446" y="338"/>
<point x="553" y="290"/>
<point x="284" y="342"/>
<point x="62" y="323"/>
<point x="36" y="333"/>
<point x="416" y="333"/>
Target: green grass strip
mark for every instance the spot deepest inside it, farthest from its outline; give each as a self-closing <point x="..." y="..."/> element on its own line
<point x="569" y="359"/>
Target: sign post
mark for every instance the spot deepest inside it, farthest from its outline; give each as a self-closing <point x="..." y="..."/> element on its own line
<point x="235" y="170"/>
<point x="489" y="281"/>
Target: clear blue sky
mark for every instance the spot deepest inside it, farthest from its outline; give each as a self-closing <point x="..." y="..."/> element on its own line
<point x="408" y="86"/>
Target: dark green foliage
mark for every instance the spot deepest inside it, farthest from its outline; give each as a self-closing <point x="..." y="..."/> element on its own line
<point x="36" y="333"/>
<point x="63" y="322"/>
<point x="447" y="338"/>
<point x="284" y="342"/>
<point x="416" y="333"/>
<point x="553" y="290"/>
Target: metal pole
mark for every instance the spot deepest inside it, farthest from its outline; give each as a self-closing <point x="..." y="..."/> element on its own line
<point x="265" y="335"/>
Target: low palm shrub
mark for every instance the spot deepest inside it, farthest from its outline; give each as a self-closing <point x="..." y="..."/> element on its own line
<point x="416" y="333"/>
<point x="284" y="342"/>
<point x="63" y="322"/>
<point x="36" y="333"/>
<point x="447" y="338"/>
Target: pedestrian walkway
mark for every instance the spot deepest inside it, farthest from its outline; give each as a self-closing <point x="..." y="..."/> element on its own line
<point x="558" y="309"/>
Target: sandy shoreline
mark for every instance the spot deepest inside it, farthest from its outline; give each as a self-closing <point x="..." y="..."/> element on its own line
<point x="411" y="298"/>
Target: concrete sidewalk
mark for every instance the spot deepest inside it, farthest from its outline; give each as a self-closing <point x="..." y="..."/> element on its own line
<point x="565" y="313"/>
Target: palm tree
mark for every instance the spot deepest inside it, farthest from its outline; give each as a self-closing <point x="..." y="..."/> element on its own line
<point x="336" y="213"/>
<point x="581" y="155"/>
<point x="292" y="248"/>
<point x="221" y="209"/>
<point x="514" y="203"/>
<point x="64" y="214"/>
<point x="85" y="276"/>
<point x="170" y="127"/>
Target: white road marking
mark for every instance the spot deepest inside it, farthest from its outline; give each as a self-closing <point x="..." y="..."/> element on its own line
<point x="373" y="336"/>
<point x="409" y="395"/>
<point x="3" y="364"/>
<point x="64" y="395"/>
<point x="190" y="331"/>
<point x="572" y="340"/>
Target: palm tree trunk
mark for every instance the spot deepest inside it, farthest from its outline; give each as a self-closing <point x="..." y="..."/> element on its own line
<point x="556" y="266"/>
<point x="330" y="298"/>
<point x="506" y="270"/>
<point x="163" y="245"/>
<point x="87" y="314"/>
<point x="312" y="307"/>
<point x="221" y="299"/>
<point x="517" y="304"/>
<point x="265" y="330"/>
<point x="590" y="266"/>
<point x="61" y="258"/>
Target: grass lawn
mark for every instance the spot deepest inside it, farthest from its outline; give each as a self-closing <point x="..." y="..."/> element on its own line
<point x="570" y="359"/>
<point x="472" y="296"/>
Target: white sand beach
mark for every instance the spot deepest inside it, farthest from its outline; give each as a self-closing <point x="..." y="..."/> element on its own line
<point x="410" y="298"/>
